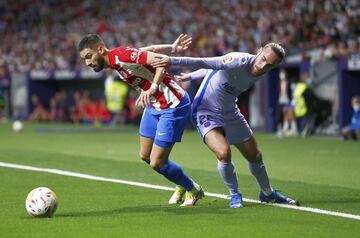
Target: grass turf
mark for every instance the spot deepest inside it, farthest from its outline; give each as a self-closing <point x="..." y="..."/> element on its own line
<point x="321" y="172"/>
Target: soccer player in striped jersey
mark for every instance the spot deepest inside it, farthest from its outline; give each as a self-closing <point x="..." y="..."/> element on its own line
<point x="218" y="119"/>
<point x="167" y="105"/>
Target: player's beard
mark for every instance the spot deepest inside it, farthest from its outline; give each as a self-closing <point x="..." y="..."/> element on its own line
<point x="254" y="69"/>
<point x="100" y="65"/>
<point x="254" y="72"/>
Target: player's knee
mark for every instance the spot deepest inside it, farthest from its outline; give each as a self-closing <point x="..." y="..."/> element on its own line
<point x="156" y="165"/>
<point x="224" y="154"/>
<point x="258" y="157"/>
<point x="255" y="157"/>
<point x="144" y="157"/>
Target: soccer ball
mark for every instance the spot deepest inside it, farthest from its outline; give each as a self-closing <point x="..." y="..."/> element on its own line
<point x="41" y="202"/>
<point x="17" y="126"/>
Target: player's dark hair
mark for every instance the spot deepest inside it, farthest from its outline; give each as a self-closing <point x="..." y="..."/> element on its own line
<point x="277" y="48"/>
<point x="90" y="41"/>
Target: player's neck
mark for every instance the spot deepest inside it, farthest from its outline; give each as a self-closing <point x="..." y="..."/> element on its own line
<point x="106" y="59"/>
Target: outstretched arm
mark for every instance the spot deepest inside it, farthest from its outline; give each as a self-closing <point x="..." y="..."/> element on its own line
<point x="180" y="44"/>
<point x="228" y="61"/>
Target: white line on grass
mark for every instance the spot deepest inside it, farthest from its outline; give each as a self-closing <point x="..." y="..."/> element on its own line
<point x="98" y="178"/>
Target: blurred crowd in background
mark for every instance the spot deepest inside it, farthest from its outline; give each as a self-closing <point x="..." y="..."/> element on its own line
<point x="42" y="34"/>
<point x="113" y="107"/>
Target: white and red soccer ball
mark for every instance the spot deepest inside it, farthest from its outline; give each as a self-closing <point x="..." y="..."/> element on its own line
<point x="41" y="202"/>
<point x="17" y="126"/>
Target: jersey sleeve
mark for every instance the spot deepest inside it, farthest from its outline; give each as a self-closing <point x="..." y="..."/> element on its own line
<point x="198" y="74"/>
<point x="132" y="55"/>
<point x="228" y="61"/>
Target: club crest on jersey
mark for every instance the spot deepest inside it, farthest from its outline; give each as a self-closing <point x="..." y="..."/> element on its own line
<point x="134" y="55"/>
<point x="227" y="59"/>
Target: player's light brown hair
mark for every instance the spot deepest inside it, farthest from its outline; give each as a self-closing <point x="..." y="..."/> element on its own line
<point x="90" y="41"/>
<point x="277" y="48"/>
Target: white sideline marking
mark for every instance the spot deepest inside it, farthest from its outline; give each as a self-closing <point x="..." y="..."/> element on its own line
<point x="98" y="178"/>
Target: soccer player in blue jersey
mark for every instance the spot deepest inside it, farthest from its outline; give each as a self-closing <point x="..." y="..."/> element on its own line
<point x="218" y="119"/>
<point x="166" y="104"/>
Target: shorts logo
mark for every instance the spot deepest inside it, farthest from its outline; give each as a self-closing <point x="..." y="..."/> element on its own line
<point x="205" y="120"/>
<point x="207" y="124"/>
<point x="227" y="59"/>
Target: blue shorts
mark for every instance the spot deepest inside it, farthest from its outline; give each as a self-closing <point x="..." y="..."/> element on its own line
<point x="165" y="127"/>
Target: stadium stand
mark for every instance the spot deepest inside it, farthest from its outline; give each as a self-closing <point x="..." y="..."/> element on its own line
<point x="36" y="37"/>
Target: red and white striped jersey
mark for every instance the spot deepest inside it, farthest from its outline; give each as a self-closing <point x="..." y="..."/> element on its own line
<point x="130" y="63"/>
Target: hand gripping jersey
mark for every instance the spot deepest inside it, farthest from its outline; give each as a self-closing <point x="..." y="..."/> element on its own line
<point x="131" y="66"/>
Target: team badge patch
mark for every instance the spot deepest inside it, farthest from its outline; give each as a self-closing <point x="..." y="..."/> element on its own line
<point x="227" y="59"/>
<point x="134" y="56"/>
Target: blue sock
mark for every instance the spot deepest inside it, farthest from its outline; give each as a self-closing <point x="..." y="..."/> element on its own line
<point x="175" y="174"/>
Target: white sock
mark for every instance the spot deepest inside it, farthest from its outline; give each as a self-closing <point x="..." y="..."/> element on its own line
<point x="286" y="126"/>
<point x="258" y="169"/>
<point x="228" y="173"/>
<point x="293" y="126"/>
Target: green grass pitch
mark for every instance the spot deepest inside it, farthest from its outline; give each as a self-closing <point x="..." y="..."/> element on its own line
<point x="321" y="172"/>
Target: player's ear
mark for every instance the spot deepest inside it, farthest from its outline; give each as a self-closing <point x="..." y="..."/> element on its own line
<point x="101" y="49"/>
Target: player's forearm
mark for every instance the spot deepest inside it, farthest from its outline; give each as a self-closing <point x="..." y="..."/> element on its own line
<point x="199" y="63"/>
<point x="166" y="49"/>
<point x="159" y="76"/>
<point x="198" y="74"/>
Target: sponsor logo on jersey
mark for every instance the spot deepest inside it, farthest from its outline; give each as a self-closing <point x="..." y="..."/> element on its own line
<point x="122" y="74"/>
<point x="228" y="88"/>
<point x="136" y="82"/>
